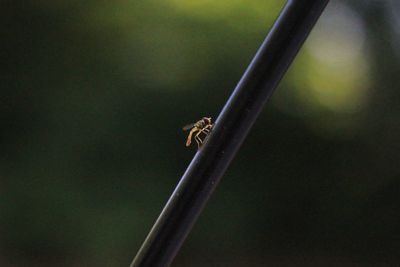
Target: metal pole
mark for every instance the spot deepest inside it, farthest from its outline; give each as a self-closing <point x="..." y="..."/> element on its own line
<point x="232" y="126"/>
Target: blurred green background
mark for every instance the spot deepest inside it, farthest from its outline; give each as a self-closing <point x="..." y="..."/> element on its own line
<point x="93" y="98"/>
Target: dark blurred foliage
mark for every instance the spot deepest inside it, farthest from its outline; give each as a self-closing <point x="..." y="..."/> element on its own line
<point x="93" y="98"/>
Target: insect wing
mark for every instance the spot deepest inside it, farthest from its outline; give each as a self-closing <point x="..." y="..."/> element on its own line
<point x="188" y="127"/>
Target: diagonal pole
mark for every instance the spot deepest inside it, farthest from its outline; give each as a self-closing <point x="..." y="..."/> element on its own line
<point x="232" y="126"/>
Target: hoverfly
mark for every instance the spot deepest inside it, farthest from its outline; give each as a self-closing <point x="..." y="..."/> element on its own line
<point x="202" y="126"/>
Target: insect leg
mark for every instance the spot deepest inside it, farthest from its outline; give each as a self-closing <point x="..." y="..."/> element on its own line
<point x="198" y="141"/>
<point x="208" y="128"/>
<point x="205" y="131"/>
<point x="198" y="138"/>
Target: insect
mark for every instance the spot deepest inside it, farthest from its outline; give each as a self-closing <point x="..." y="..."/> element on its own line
<point x="202" y="126"/>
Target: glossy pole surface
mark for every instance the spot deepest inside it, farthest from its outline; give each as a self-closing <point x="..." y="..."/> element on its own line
<point x="232" y="126"/>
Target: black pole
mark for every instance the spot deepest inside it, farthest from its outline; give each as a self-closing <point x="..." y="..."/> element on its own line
<point x="238" y="115"/>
